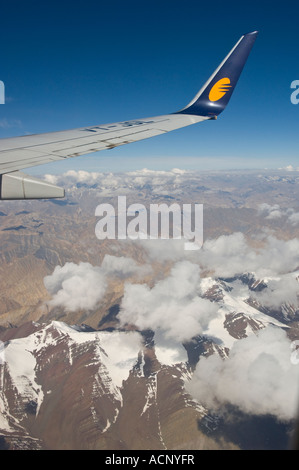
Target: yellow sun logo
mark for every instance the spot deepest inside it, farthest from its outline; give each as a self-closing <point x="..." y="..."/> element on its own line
<point x="219" y="89"/>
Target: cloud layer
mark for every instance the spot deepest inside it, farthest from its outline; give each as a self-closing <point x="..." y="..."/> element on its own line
<point x="231" y="255"/>
<point x="76" y="286"/>
<point x="173" y="305"/>
<point x="258" y="377"/>
<point x="81" y="286"/>
<point x="279" y="291"/>
<point x="276" y="212"/>
<point x="111" y="184"/>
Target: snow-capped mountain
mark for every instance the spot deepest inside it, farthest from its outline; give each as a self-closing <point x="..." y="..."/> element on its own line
<point x="237" y="317"/>
<point x="74" y="387"/>
<point x="65" y="387"/>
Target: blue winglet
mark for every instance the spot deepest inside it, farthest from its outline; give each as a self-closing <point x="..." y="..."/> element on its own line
<point x="213" y="97"/>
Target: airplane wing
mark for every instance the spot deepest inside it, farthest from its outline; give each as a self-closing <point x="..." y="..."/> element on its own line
<point x="17" y="153"/>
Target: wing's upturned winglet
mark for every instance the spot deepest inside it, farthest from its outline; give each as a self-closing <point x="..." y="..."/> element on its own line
<point x="213" y="97"/>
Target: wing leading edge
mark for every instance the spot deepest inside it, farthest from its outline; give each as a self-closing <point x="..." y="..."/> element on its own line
<point x="22" y="152"/>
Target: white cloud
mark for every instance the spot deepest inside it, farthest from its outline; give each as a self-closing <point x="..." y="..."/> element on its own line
<point x="53" y="179"/>
<point x="76" y="286"/>
<point x="82" y="286"/>
<point x="231" y="255"/>
<point x="122" y="266"/>
<point x="121" y="353"/>
<point x="258" y="377"/>
<point x="161" y="173"/>
<point x="111" y="184"/>
<point x="271" y="212"/>
<point x="289" y="168"/>
<point x="276" y="212"/>
<point x="293" y="218"/>
<point x="169" y="351"/>
<point x="73" y="177"/>
<point x="165" y="249"/>
<point x="82" y="176"/>
<point x="283" y="290"/>
<point x="172" y="305"/>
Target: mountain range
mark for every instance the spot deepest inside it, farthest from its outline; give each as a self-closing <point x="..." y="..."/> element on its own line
<point x="118" y="345"/>
<point x="75" y="387"/>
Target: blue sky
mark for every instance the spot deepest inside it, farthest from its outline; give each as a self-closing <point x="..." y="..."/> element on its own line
<point x="71" y="64"/>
